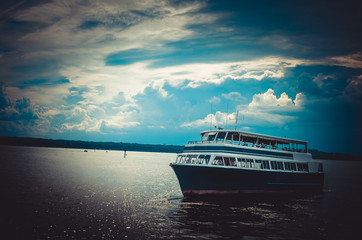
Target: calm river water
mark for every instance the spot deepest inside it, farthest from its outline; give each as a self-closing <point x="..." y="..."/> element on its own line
<point x="54" y="193"/>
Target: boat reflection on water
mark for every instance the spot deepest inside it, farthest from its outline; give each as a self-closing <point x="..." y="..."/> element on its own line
<point x="256" y="216"/>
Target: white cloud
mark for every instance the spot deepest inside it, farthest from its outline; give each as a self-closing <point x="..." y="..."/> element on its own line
<point x="233" y="96"/>
<point x="133" y="79"/>
<point x="214" y="100"/>
<point x="268" y="100"/>
<point x="300" y="100"/>
<point x="350" y="61"/>
<point x="118" y="122"/>
<point x="93" y="118"/>
<point x="264" y="109"/>
<point x="217" y="119"/>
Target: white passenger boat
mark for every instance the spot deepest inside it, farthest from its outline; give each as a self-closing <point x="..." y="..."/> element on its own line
<point x="236" y="162"/>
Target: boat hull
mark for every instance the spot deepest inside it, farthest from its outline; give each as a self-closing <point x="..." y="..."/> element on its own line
<point x="201" y="179"/>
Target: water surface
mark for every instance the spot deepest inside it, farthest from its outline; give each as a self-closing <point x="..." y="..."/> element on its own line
<point x="54" y="193"/>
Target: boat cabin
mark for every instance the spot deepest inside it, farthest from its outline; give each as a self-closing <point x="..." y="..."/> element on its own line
<point x="252" y="140"/>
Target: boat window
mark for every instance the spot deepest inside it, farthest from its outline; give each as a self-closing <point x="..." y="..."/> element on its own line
<point x="299" y="167"/>
<point x="258" y="164"/>
<point x="273" y="166"/>
<point x="287" y="166"/>
<point x="191" y="159"/>
<point x="302" y="167"/>
<point x="241" y="162"/>
<point x="201" y="159"/>
<point x="233" y="136"/>
<point x="218" y="161"/>
<point x="280" y="166"/>
<point x="276" y="165"/>
<point x="229" y="161"/>
<point x="232" y="161"/>
<point x="293" y="167"/>
<point x="266" y="164"/>
<point x="226" y="161"/>
<point x="180" y="159"/>
<point x="207" y="158"/>
<point x="249" y="163"/>
<point x="305" y="166"/>
<point x="209" y="136"/>
<point x="220" y="136"/>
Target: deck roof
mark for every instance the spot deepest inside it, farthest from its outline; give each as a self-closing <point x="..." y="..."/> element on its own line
<point x="260" y="136"/>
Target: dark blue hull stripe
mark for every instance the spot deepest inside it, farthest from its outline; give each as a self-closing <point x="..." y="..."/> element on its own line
<point x="226" y="149"/>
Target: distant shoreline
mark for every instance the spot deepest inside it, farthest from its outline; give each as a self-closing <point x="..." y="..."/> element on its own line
<point x="121" y="146"/>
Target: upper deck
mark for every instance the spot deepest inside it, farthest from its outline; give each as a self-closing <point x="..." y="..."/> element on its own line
<point x="248" y="139"/>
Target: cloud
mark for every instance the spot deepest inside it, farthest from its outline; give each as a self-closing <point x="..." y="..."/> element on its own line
<point x="63" y="37"/>
<point x="105" y="82"/>
<point x="349" y="61"/>
<point x="102" y="118"/>
<point x="21" y="109"/>
<point x="278" y="41"/>
<point x="299" y="100"/>
<point x="69" y="29"/>
<point x="214" y="100"/>
<point x="116" y="123"/>
<point x="264" y="109"/>
<point x="320" y="79"/>
<point x="73" y="28"/>
<point x="197" y="74"/>
<point x="269" y="100"/>
<point x="217" y="119"/>
<point x="233" y="96"/>
<point x="354" y="87"/>
<point x="22" y="117"/>
<point x="12" y="7"/>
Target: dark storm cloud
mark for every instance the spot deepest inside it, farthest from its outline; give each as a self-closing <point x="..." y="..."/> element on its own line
<point x="21" y="109"/>
<point x="316" y="28"/>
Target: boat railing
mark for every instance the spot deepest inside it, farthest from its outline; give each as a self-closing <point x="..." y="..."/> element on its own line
<point x="200" y="142"/>
<point x="248" y="144"/>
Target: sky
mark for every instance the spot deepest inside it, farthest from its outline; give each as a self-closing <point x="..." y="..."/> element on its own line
<point x="161" y="72"/>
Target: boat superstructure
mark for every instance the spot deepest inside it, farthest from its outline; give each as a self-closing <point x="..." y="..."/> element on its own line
<point x="232" y="161"/>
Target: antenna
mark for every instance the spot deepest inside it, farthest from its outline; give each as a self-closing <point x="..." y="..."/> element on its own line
<point x="236" y="119"/>
<point x="227" y="114"/>
<point x="211" y="116"/>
